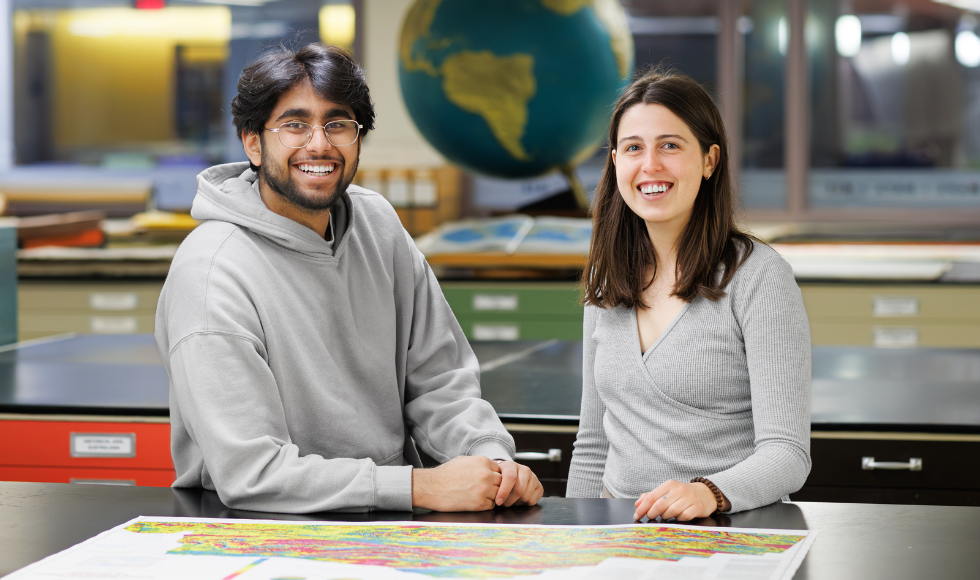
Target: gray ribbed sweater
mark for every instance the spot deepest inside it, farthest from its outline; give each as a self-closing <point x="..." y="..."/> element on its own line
<point x="724" y="393"/>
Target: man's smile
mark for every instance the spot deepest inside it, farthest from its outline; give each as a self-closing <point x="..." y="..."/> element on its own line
<point x="316" y="168"/>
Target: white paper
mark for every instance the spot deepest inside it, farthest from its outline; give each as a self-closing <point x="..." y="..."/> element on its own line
<point x="267" y="549"/>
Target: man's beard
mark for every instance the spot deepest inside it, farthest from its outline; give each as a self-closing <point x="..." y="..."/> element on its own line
<point x="287" y="188"/>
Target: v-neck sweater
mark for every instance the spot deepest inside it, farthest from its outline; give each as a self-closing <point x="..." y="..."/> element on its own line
<point x="723" y="393"/>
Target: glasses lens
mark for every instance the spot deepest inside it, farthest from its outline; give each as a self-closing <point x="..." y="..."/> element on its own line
<point x="295" y="135"/>
<point x="342" y="133"/>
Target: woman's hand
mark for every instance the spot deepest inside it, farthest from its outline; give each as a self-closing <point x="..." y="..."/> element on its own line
<point x="673" y="499"/>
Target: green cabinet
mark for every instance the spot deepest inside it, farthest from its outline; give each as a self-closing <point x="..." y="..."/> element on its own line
<point x="8" y="285"/>
<point x="517" y="310"/>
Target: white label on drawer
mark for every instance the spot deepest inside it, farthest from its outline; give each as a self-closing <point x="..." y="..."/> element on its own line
<point x="495" y="302"/>
<point x="398" y="192"/>
<point x="113" y="300"/>
<point x="103" y="444"/>
<point x="103" y="481"/>
<point x="495" y="332"/>
<point x="425" y="193"/>
<point x="891" y="337"/>
<point x="113" y="324"/>
<point x="885" y="306"/>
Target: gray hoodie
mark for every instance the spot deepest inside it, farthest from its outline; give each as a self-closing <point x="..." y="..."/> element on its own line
<point x="301" y="370"/>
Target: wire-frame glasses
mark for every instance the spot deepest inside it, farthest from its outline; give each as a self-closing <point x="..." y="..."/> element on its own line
<point x="296" y="134"/>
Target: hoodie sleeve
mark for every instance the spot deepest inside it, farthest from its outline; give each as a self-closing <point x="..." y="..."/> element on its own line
<point x="443" y="407"/>
<point x="229" y="404"/>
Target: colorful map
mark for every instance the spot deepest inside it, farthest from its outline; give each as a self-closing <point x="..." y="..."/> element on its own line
<point x="462" y="551"/>
<point x="259" y="549"/>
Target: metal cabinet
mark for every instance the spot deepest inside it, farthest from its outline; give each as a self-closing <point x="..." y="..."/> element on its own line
<point x="893" y="315"/>
<point x="59" y="449"/>
<point x="517" y="311"/>
<point x="47" y="308"/>
<point x="547" y="450"/>
<point x="900" y="468"/>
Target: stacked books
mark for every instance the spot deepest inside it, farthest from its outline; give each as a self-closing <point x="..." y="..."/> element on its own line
<point x="82" y="229"/>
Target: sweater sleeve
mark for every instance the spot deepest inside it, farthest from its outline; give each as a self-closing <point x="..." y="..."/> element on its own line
<point x="443" y="406"/>
<point x="591" y="446"/>
<point x="228" y="399"/>
<point x="773" y="321"/>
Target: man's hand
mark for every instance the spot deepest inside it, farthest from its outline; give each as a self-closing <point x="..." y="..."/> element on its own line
<point x="462" y="484"/>
<point x="673" y="499"/>
<point x="519" y="485"/>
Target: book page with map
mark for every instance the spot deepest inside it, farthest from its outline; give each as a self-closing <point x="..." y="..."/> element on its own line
<point x="149" y="548"/>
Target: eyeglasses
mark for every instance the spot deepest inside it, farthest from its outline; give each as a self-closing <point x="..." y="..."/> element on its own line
<point x="297" y="135"/>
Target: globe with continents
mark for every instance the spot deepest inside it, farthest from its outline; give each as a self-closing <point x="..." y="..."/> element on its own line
<point x="514" y="88"/>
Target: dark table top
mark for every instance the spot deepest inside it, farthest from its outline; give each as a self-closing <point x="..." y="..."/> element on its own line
<point x="854" y="388"/>
<point x="857" y="541"/>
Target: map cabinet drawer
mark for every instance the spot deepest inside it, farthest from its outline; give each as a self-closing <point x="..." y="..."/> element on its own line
<point x="895" y="460"/>
<point x="124" y="452"/>
<point x="547" y="450"/>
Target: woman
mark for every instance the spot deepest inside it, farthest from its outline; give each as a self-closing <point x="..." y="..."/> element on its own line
<point x="696" y="371"/>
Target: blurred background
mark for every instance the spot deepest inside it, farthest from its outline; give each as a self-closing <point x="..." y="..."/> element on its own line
<point x="855" y="137"/>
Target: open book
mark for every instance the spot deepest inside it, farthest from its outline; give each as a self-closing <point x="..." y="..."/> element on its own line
<point x="510" y="234"/>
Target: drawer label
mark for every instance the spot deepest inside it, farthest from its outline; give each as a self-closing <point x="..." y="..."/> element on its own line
<point x="103" y="444"/>
<point x="113" y="324"/>
<point x="496" y="332"/>
<point x="113" y="300"/>
<point x="885" y="306"/>
<point x="891" y="337"/>
<point x="495" y="302"/>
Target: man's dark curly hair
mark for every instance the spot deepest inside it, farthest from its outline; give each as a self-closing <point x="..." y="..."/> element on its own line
<point x="331" y="71"/>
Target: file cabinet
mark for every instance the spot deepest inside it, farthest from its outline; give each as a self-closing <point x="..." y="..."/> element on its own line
<point x="517" y="311"/>
<point x="894" y="315"/>
<point x="101" y="450"/>
<point x="47" y="308"/>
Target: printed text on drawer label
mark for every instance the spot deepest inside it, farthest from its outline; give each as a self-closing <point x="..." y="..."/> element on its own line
<point x="113" y="324"/>
<point x="103" y="444"/>
<point x="495" y="302"/>
<point x="885" y="306"/>
<point x="113" y="300"/>
<point x="891" y="337"/>
<point x="496" y="332"/>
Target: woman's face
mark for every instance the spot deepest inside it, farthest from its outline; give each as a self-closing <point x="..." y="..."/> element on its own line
<point x="659" y="165"/>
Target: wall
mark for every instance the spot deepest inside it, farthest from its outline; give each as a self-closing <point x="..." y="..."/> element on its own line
<point x="395" y="142"/>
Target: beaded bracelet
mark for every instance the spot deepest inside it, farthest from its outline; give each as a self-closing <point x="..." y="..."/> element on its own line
<point x="719" y="497"/>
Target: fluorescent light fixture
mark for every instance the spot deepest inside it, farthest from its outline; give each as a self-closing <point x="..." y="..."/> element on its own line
<point x="973" y="5"/>
<point x="253" y="3"/>
<point x="337" y="24"/>
<point x="782" y="36"/>
<point x="183" y="24"/>
<point x="901" y="48"/>
<point x="847" y="34"/>
<point x="968" y="48"/>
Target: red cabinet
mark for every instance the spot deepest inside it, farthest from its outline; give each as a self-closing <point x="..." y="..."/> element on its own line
<point x="124" y="451"/>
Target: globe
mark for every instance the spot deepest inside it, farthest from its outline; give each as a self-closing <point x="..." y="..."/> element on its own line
<point x="514" y="88"/>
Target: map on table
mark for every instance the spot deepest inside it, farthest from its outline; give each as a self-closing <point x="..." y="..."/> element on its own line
<point x="147" y="548"/>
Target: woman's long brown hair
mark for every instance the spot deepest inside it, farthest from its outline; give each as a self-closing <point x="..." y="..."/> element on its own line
<point x="621" y="257"/>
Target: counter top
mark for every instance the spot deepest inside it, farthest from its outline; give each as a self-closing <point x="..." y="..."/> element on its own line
<point x="854" y="388"/>
<point x="858" y="541"/>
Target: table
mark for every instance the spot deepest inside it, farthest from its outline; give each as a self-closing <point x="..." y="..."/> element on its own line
<point x="889" y="404"/>
<point x="855" y="540"/>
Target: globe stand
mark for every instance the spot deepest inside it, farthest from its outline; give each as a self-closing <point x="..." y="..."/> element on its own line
<point x="576" y="186"/>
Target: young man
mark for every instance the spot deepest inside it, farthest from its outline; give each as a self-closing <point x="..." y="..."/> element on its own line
<point x="307" y="341"/>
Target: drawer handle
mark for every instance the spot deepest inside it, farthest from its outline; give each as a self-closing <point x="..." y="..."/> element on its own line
<point x="869" y="464"/>
<point x="553" y="455"/>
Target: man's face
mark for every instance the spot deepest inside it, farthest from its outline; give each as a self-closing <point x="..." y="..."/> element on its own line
<point x="313" y="177"/>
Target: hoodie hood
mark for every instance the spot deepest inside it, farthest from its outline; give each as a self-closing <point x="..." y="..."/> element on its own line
<point x="230" y="193"/>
